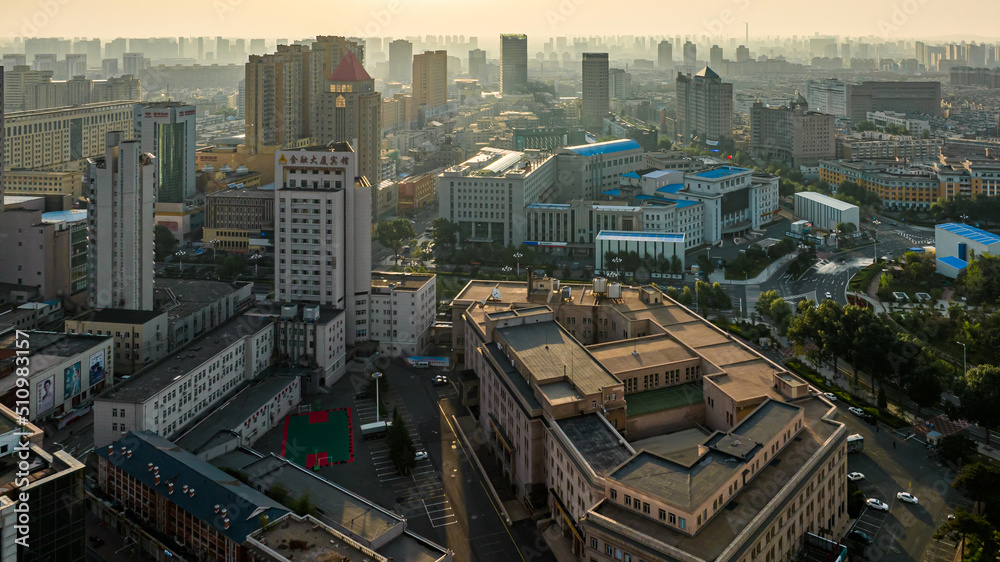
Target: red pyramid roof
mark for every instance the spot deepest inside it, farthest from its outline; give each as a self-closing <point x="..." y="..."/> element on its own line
<point x="349" y="70"/>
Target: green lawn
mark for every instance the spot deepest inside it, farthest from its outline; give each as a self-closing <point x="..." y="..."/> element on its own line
<point x="661" y="399"/>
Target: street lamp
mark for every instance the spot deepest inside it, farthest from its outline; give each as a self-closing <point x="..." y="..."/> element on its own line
<point x="876" y="222"/>
<point x="506" y="271"/>
<point x="214" y="242"/>
<point x="377" y="375"/>
<point x="618" y="266"/>
<point x="964" y="217"/>
<point x="517" y="256"/>
<point x="254" y="258"/>
<point x="836" y="233"/>
<point x="965" y="368"/>
<point x="180" y="258"/>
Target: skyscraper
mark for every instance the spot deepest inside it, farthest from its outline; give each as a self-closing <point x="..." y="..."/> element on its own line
<point x="595" y="90"/>
<point x="121" y="189"/>
<point x="742" y="54"/>
<point x="477" y="65"/>
<point x="665" y="55"/>
<point x="715" y="56"/>
<point x="513" y="63"/>
<point x="704" y="106"/>
<point x="76" y="65"/>
<point x="167" y="131"/>
<point x="133" y="63"/>
<point x="351" y="112"/>
<point x="109" y="68"/>
<point x="430" y="78"/>
<point x="400" y="61"/>
<point x="3" y="140"/>
<point x="690" y="54"/>
<point x="329" y="264"/>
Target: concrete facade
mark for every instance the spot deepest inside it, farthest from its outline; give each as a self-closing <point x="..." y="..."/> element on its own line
<point x="825" y="212"/>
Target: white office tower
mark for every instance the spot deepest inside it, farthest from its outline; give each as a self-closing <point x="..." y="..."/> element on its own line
<point x="122" y="191"/>
<point x="323" y="239"/>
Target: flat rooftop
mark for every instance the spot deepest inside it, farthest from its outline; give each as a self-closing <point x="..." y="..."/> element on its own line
<point x="623" y="356"/>
<point x="158" y="376"/>
<point x="183" y="297"/>
<point x="719" y="533"/>
<point x="680" y="446"/>
<point x="666" y="398"/>
<point x="600" y="445"/>
<point x="551" y="355"/>
<point x="720" y="172"/>
<point x="54" y="344"/>
<point x="401" y="281"/>
<point x="321" y="543"/>
<point x="119" y="316"/>
<point x="653" y="236"/>
<point x="243" y="193"/>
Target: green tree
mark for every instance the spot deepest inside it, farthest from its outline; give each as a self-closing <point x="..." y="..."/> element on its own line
<point x="393" y="234"/>
<point x="279" y="493"/>
<point x="980" y="395"/>
<point x="706" y="264"/>
<point x="303" y="505"/>
<point x="980" y="482"/>
<point x="721" y="299"/>
<point x="164" y="243"/>
<point x="957" y="448"/>
<point x="676" y="265"/>
<point x="401" y="450"/>
<point x="866" y="126"/>
<point x="664" y="144"/>
<point x="924" y="387"/>
<point x="232" y="266"/>
<point x="977" y="528"/>
<point x="686" y="297"/>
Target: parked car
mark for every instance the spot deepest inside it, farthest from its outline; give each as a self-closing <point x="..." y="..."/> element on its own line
<point x="440" y="380"/>
<point x="906" y="497"/>
<point x="859" y="536"/>
<point x="856" y="411"/>
<point x="855" y="476"/>
<point x="829" y="295"/>
<point x="877" y="504"/>
<point x="421" y="455"/>
<point x="830" y="396"/>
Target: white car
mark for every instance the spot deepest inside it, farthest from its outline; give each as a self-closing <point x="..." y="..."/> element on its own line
<point x="830" y="396"/>
<point x="877" y="504"/>
<point x="829" y="295"/>
<point x="906" y="497"/>
<point x="856" y="411"/>
<point x="855" y="476"/>
<point x="421" y="455"/>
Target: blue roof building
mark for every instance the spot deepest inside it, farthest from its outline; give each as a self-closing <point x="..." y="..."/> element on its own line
<point x="963" y="242"/>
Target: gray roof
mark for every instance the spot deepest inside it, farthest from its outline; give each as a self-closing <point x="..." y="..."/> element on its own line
<point x="230" y="415"/>
<point x="158" y="376"/>
<point x="120" y="315"/>
<point x="212" y="486"/>
<point x="601" y="446"/>
<point x="56" y="344"/>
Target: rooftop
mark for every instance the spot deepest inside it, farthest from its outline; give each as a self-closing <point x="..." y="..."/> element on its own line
<point x="551" y="355"/>
<point x="55" y="344"/>
<point x="119" y="316"/>
<point x="970" y="232"/>
<point x="182" y="297"/>
<point x="158" y="376"/>
<point x="243" y="193"/>
<point x="401" y="281"/>
<point x="826" y="200"/>
<point x="666" y="398"/>
<point x="350" y="69"/>
<point x="312" y="540"/>
<point x="720" y="172"/>
<point x="600" y="148"/>
<point x="623" y="356"/>
<point x="953" y="261"/>
<point x="72" y="215"/>
<point x="599" y="444"/>
<point x="211" y="486"/>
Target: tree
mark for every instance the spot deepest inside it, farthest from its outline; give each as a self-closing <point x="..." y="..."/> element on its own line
<point x="976" y="527"/>
<point x="721" y="299"/>
<point x="924" y="387"/>
<point x="706" y="264"/>
<point x="957" y="448"/>
<point x="445" y="236"/>
<point x="303" y="505"/>
<point x="278" y="492"/>
<point x="393" y="233"/>
<point x="232" y="266"/>
<point x="980" y="396"/>
<point x="676" y="265"/>
<point x="866" y="126"/>
<point x="401" y="450"/>
<point x="164" y="243"/>
<point x="664" y="144"/>
<point x="980" y="482"/>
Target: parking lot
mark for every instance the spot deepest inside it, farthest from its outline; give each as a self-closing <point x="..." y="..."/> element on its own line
<point x="906" y="531"/>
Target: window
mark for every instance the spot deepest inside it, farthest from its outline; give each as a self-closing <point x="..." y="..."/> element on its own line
<point x="645" y="507"/>
<point x="682" y="523"/>
<point x="593" y="543"/>
<point x="614" y="494"/>
<point x="673" y="519"/>
<point x="663" y="515"/>
<point x="628" y="500"/>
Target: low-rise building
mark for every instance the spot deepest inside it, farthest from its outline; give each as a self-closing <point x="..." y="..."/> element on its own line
<point x="889" y="147"/>
<point x="955" y="245"/>
<point x="416" y="192"/>
<point x="883" y="119"/>
<point x="140" y="336"/>
<point x="310" y="336"/>
<point x="31" y="316"/>
<point x="44" y="182"/>
<point x="825" y="212"/>
<point x="736" y="200"/>
<point x="898" y="185"/>
<point x="56" y="380"/>
<point x="195" y="307"/>
<point x="48" y="253"/>
<point x="403" y="309"/>
<point x="170" y="395"/>
<point x="386" y="199"/>
<point x="241" y="219"/>
<point x="647" y="245"/>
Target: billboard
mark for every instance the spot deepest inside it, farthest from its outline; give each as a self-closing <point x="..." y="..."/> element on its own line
<point x="97" y="367"/>
<point x="45" y="394"/>
<point x="71" y="381"/>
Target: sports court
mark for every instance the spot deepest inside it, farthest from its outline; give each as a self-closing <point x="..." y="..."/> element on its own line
<point x="315" y="439"/>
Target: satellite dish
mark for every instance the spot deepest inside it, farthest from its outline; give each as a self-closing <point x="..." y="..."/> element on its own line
<point x="495" y="293"/>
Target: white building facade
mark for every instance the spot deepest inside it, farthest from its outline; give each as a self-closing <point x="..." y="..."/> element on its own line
<point x="403" y="309"/>
<point x="825" y="212"/>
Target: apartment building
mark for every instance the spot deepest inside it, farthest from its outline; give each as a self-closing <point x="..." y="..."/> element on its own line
<point x="168" y="396"/>
<point x="140" y="336"/>
<point x="888" y="147"/>
<point x="704" y="107"/>
<point x="403" y="309"/>
<point x="49" y="137"/>
<point x="792" y="134"/>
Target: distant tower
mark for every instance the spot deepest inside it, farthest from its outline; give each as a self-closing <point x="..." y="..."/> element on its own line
<point x="595" y="90"/>
<point x="665" y="55"/>
<point x="513" y="63"/>
<point x="400" y="61"/>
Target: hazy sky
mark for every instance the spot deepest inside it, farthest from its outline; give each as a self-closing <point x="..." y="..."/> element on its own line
<point x="892" y="19"/>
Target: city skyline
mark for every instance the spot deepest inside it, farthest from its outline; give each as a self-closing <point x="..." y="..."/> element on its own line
<point x="910" y="19"/>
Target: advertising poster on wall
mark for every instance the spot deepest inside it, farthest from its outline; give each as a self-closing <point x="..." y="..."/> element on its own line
<point x="97" y="368"/>
<point x="71" y="381"/>
<point x="45" y="393"/>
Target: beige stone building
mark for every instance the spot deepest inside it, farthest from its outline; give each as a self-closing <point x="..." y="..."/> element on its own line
<point x="637" y="422"/>
<point x="49" y="137"/>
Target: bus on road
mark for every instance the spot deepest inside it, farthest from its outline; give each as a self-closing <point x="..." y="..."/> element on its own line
<point x="855" y="443"/>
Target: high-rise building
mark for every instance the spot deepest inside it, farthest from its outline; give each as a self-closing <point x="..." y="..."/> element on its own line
<point x="400" y="61"/>
<point x="329" y="264"/>
<point x="742" y="54"/>
<point x="792" y="134"/>
<point x="3" y="138"/>
<point x="351" y="112"/>
<point x="619" y="83"/>
<point x="715" y="56"/>
<point x="121" y="190"/>
<point x="704" y="106"/>
<point x="901" y="97"/>
<point x="20" y="81"/>
<point x="690" y="54"/>
<point x="477" y="65"/>
<point x="665" y="55"/>
<point x="39" y="138"/>
<point x="76" y="65"/>
<point x="513" y="63"/>
<point x="109" y="68"/>
<point x="133" y="63"/>
<point x="430" y="78"/>
<point x="89" y="47"/>
<point x="167" y="131"/>
<point x="595" y="90"/>
<point x="44" y="62"/>
<point x="827" y="96"/>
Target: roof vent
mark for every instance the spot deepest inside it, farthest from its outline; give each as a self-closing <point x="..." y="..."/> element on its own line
<point x="170" y="487"/>
<point x="129" y="453"/>
<point x="216" y="508"/>
<point x="735" y="443"/>
<point x="191" y="492"/>
<point x="225" y="523"/>
<point x="157" y="479"/>
<point x="185" y="488"/>
<point x="223" y="512"/>
<point x="149" y="467"/>
<point x="111" y="450"/>
<point x="123" y="449"/>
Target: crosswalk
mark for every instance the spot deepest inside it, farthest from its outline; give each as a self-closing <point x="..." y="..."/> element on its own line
<point x="914" y="238"/>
